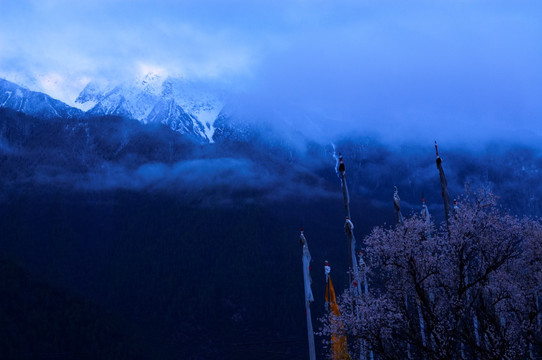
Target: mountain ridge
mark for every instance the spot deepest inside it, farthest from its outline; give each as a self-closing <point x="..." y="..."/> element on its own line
<point x="183" y="106"/>
<point x="34" y="103"/>
<point x="151" y="100"/>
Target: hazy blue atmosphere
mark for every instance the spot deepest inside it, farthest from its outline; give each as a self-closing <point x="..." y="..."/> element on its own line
<point x="159" y="158"/>
<point x="418" y="70"/>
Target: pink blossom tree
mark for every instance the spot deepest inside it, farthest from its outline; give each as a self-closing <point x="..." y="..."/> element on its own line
<point x="470" y="290"/>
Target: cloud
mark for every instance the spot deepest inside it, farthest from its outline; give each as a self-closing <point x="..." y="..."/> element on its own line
<point x="110" y="40"/>
<point x="216" y="181"/>
<point x="418" y="70"/>
<point x="416" y="75"/>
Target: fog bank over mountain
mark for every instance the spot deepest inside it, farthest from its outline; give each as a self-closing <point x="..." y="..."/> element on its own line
<point x="462" y="71"/>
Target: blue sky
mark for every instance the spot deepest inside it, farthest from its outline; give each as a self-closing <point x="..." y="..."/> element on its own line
<point x="397" y="67"/>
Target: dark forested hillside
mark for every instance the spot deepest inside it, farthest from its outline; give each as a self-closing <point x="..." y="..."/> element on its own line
<point x="39" y="321"/>
<point x="183" y="274"/>
<point x="195" y="247"/>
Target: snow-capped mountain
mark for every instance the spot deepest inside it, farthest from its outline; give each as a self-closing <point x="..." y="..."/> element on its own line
<point x="167" y="111"/>
<point x="34" y="103"/>
<point x="185" y="107"/>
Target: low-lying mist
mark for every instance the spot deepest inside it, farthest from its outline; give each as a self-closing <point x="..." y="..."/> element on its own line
<point x="102" y="154"/>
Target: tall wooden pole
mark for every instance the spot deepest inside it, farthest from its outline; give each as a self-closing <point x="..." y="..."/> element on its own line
<point x="308" y="294"/>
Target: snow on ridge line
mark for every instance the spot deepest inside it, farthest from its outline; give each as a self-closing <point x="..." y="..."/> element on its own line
<point x="136" y="100"/>
<point x="86" y="106"/>
<point x="139" y="98"/>
<point x="207" y="118"/>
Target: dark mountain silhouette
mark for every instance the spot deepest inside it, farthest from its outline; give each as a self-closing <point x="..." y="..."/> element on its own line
<point x="195" y="246"/>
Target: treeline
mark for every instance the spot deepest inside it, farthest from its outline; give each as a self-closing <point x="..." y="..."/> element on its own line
<point x="202" y="282"/>
<point x="40" y="321"/>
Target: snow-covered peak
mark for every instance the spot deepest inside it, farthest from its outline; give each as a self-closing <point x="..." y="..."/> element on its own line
<point x="34" y="103"/>
<point x="151" y="83"/>
<point x="63" y="88"/>
<point x="198" y="100"/>
<point x="135" y="99"/>
<point x="140" y="98"/>
<point x="93" y="93"/>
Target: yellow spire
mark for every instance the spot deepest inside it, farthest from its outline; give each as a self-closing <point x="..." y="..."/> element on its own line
<point x="339" y="347"/>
